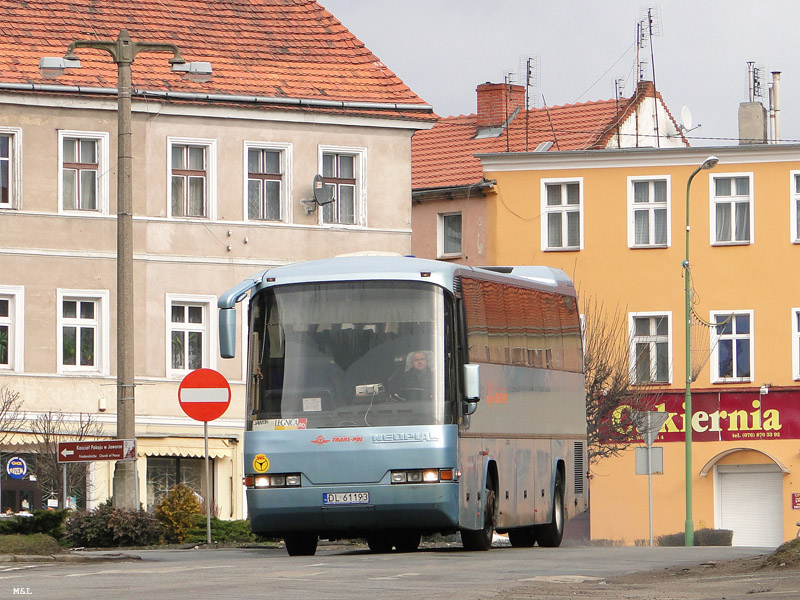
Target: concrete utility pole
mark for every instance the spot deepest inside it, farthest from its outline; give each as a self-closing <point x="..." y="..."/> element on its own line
<point x="123" y="51"/>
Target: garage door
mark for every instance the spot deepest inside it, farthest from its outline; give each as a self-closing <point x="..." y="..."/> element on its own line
<point x="750" y="504"/>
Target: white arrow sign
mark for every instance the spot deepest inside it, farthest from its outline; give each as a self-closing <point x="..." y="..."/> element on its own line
<point x="66" y="452"/>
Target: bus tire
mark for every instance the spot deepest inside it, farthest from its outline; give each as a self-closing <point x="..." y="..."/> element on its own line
<point x="481" y="539"/>
<point x="380" y="544"/>
<point x="550" y="534"/>
<point x="408" y="541"/>
<point x="522" y="537"/>
<point x="301" y="544"/>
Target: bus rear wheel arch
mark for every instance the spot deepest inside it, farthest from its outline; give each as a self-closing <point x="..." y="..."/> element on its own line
<point x="481" y="539"/>
<point x="549" y="535"/>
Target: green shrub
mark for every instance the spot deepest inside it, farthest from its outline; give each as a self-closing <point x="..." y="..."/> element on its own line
<point x="175" y="511"/>
<point x="107" y="527"/>
<point x="35" y="543"/>
<point x="702" y="537"/>
<point x="49" y="522"/>
<point x="224" y="532"/>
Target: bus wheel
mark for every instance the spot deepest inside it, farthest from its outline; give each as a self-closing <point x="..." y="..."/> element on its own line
<point x="301" y="544"/>
<point x="481" y="540"/>
<point x="407" y="541"/>
<point x="522" y="537"/>
<point x="380" y="544"/>
<point x="549" y="535"/>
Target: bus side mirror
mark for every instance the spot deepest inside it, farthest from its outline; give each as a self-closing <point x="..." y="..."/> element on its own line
<point x="472" y="383"/>
<point x="227" y="332"/>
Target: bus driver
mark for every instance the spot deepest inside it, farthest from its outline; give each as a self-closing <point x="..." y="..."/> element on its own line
<point x="417" y="376"/>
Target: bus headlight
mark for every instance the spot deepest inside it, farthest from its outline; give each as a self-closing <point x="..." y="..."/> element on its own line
<point x="422" y="476"/>
<point x="272" y="481"/>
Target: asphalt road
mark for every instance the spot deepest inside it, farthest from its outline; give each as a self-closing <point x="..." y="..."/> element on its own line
<point x="336" y="572"/>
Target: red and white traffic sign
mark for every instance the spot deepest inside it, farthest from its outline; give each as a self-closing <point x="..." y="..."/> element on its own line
<point x="91" y="450"/>
<point x="204" y="394"/>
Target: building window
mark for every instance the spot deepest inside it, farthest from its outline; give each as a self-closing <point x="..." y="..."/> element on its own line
<point x="164" y="472"/>
<point x="732" y="342"/>
<point x="449" y="235"/>
<point x="732" y="209"/>
<point x="192" y="178"/>
<point x="7" y="164"/>
<point x="83" y="165"/>
<point x="189" y="331"/>
<point x="562" y="210"/>
<point x="343" y="175"/>
<point x="796" y="343"/>
<point x="267" y="194"/>
<point x="82" y="331"/>
<point x="650" y="344"/>
<point x="795" y="207"/>
<point x="648" y="205"/>
<point x="11" y="323"/>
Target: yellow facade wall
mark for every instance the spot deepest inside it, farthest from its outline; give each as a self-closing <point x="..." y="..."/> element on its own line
<point x="758" y="277"/>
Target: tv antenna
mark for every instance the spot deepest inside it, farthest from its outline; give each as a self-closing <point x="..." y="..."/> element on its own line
<point x="755" y="81"/>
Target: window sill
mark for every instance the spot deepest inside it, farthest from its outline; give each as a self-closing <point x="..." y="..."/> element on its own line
<point x="566" y="249"/>
<point x="733" y="380"/>
<point x="649" y="247"/>
<point x="747" y="243"/>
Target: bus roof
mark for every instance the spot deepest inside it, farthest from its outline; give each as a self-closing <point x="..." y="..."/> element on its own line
<point x="444" y="274"/>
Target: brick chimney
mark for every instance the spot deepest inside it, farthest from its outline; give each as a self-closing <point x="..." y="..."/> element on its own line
<point x="492" y="108"/>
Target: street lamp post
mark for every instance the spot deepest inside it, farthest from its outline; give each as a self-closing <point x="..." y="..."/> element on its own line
<point x="708" y="163"/>
<point x="123" y="51"/>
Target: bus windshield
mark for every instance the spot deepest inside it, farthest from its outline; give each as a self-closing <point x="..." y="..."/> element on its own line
<point x="347" y="354"/>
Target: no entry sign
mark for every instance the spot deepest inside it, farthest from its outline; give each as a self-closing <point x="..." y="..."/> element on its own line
<point x="204" y="394"/>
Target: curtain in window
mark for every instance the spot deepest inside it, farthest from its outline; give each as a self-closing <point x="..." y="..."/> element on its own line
<point x="742" y="221"/>
<point x="660" y="218"/>
<point x="573" y="229"/>
<point x="723" y="222"/>
<point x="554" y="230"/>
<point x="641" y="220"/>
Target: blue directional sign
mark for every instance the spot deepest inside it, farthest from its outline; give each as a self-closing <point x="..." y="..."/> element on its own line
<point x="16" y="468"/>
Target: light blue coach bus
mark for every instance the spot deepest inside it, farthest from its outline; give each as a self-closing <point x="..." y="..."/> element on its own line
<point x="391" y="397"/>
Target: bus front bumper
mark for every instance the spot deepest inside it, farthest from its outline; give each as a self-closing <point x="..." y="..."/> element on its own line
<point x="431" y="507"/>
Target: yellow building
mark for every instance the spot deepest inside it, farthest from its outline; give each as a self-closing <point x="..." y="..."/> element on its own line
<point x="614" y="220"/>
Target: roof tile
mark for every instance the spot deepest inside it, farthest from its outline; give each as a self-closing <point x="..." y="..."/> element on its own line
<point x="267" y="48"/>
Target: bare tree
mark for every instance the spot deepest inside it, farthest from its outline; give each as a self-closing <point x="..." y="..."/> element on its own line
<point x="611" y="396"/>
<point x="48" y="430"/>
<point x="11" y="416"/>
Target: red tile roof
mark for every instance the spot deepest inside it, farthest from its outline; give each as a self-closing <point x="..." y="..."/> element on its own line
<point x="443" y="157"/>
<point x="265" y="48"/>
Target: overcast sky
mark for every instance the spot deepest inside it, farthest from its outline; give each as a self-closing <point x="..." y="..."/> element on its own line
<point x="443" y="49"/>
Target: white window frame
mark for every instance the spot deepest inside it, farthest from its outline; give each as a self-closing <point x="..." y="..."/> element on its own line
<point x="102" y="342"/>
<point x="210" y="146"/>
<point x="285" y="150"/>
<point x="209" y="359"/>
<point x="440" y="236"/>
<point x="632" y="341"/>
<point x="712" y="205"/>
<point x="102" y="138"/>
<point x="563" y="208"/>
<point x="14" y="167"/>
<point x="650" y="207"/>
<point x="795" y="329"/>
<point x="15" y="294"/>
<point x="794" y="206"/>
<point x="715" y="338"/>
<point x="360" y="168"/>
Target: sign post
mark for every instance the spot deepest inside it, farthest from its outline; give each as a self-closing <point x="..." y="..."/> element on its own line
<point x="204" y="395"/>
<point x="90" y="451"/>
<point x="648" y="424"/>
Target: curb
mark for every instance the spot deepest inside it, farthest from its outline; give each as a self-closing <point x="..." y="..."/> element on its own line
<point x="68" y="558"/>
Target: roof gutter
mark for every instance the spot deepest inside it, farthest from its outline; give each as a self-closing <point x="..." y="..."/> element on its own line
<point x="298" y="102"/>
<point x="419" y="194"/>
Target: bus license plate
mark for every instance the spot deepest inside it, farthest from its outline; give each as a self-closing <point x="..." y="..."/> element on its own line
<point x="345" y="498"/>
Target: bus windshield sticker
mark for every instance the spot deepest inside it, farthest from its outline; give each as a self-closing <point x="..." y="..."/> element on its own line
<point x="278" y="424"/>
<point x="312" y="404"/>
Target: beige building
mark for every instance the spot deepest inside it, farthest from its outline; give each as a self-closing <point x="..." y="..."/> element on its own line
<point x="222" y="188"/>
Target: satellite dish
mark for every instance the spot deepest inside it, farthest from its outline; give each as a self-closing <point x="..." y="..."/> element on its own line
<point x="686" y="118"/>
<point x="323" y="194"/>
